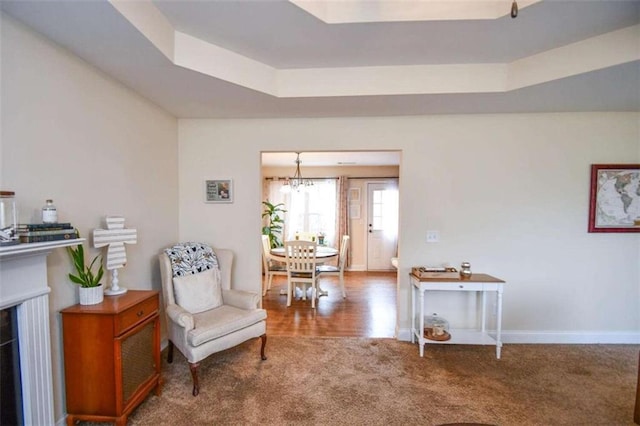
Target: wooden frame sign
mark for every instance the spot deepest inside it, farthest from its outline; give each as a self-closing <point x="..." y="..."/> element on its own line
<point x="615" y="198"/>
<point x="218" y="191"/>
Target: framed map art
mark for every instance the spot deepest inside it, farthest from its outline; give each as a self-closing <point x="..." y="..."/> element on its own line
<point x="615" y="198"/>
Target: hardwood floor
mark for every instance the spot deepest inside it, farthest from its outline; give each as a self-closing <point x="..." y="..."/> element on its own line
<point x="368" y="311"/>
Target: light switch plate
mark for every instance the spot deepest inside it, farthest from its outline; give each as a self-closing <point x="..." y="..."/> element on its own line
<point x="433" y="236"/>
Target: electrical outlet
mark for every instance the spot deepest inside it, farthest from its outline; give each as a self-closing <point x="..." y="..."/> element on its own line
<point x="433" y="236"/>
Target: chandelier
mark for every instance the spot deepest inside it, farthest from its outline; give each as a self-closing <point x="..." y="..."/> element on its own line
<point x="297" y="182"/>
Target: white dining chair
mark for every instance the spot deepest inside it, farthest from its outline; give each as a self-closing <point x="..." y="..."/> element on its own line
<point x="301" y="268"/>
<point x="338" y="270"/>
<point x="270" y="265"/>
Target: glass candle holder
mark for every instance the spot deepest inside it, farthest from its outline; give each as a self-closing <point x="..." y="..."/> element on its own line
<point x="8" y="218"/>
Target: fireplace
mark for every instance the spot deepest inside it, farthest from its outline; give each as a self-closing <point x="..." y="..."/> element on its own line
<point x="10" y="385"/>
<point x="24" y="295"/>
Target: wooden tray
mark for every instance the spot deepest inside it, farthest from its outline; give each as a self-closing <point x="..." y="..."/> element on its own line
<point x="428" y="334"/>
<point x="425" y="272"/>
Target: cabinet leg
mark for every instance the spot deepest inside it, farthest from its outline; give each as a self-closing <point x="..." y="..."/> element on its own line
<point x="264" y="343"/>
<point x="194" y="374"/>
<point x="121" y="421"/>
<point x="158" y="389"/>
<point x="71" y="421"/>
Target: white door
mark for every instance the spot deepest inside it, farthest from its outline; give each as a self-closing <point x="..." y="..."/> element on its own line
<point x="382" y="225"/>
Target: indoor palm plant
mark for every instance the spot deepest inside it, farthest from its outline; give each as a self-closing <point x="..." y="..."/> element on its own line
<point x="273" y="228"/>
<point x="89" y="282"/>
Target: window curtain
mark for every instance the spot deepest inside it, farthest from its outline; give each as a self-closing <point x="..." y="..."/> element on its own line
<point x="342" y="218"/>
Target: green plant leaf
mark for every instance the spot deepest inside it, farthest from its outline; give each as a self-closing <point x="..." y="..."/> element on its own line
<point x="84" y="274"/>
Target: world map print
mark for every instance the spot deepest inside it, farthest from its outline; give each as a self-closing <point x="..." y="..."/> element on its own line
<point x="618" y="198"/>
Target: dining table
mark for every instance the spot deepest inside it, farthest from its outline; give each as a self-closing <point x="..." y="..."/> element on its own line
<point x="323" y="254"/>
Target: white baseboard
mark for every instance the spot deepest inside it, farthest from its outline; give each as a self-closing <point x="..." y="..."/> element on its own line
<point x="557" y="337"/>
<point x="358" y="268"/>
<point x="571" y="337"/>
<point x="404" y="334"/>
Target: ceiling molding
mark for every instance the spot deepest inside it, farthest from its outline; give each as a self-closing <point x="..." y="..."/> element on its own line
<point x="360" y="11"/>
<point x="257" y="59"/>
<point x="192" y="53"/>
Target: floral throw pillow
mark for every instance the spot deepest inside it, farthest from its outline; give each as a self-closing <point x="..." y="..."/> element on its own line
<point x="191" y="258"/>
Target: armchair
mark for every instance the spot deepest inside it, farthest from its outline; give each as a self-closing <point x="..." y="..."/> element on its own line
<point x="204" y="315"/>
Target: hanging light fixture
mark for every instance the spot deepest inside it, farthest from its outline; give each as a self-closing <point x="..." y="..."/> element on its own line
<point x="297" y="182"/>
<point x="514" y="9"/>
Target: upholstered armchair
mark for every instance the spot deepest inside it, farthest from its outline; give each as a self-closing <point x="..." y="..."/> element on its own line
<point x="204" y="315"/>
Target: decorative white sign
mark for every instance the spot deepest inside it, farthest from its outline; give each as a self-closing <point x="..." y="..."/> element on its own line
<point x="115" y="237"/>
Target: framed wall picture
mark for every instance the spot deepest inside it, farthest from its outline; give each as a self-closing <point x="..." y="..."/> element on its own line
<point x="615" y="198"/>
<point x="218" y="191"/>
<point x="354" y="194"/>
<point x="354" y="211"/>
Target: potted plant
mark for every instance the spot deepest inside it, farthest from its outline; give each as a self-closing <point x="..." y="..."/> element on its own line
<point x="275" y="222"/>
<point x="90" y="286"/>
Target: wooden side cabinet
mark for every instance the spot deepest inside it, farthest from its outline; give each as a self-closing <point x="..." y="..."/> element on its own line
<point x="111" y="356"/>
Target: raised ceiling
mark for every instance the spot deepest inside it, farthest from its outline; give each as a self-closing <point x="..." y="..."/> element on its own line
<point x="280" y="58"/>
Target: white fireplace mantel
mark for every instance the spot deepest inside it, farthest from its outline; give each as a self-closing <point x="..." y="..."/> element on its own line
<point x="23" y="283"/>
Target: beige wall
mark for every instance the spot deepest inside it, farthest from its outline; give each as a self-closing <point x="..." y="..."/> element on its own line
<point x="508" y="193"/>
<point x="72" y="134"/>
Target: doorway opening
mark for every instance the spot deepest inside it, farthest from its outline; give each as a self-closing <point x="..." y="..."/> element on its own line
<point x="363" y="202"/>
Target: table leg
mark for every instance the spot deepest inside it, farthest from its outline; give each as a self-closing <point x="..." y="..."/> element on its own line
<point x="413" y="313"/>
<point x="421" y="329"/>
<point x="636" y="412"/>
<point x="484" y="312"/>
<point x="499" y="324"/>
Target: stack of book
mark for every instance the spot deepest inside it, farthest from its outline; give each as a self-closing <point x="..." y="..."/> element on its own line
<point x="42" y="232"/>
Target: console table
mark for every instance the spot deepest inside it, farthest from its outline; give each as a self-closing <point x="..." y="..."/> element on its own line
<point x="482" y="283"/>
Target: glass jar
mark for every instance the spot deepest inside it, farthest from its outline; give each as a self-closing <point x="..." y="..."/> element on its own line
<point x="8" y="218"/>
<point x="49" y="213"/>
<point x="436" y="328"/>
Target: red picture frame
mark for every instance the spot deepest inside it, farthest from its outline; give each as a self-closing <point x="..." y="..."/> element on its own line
<point x="614" y="205"/>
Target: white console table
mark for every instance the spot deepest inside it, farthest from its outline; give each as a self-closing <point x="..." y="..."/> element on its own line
<point x="478" y="283"/>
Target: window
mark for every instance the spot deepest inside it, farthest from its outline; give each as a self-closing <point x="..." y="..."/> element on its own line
<point x="312" y="211"/>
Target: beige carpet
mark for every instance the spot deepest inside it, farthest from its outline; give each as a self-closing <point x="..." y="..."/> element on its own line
<point x="356" y="381"/>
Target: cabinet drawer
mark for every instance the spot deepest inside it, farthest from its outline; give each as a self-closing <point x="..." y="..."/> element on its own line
<point x="454" y="286"/>
<point x="135" y="314"/>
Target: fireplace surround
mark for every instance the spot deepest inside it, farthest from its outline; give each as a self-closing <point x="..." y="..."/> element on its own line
<point x="23" y="285"/>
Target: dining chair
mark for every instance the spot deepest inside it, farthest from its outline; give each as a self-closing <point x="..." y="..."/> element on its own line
<point x="301" y="268"/>
<point x="270" y="265"/>
<point x="338" y="270"/>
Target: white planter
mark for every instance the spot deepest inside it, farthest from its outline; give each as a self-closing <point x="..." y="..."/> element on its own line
<point x="91" y="295"/>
